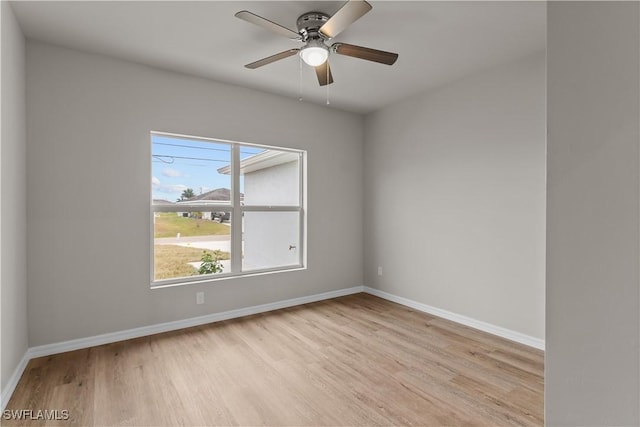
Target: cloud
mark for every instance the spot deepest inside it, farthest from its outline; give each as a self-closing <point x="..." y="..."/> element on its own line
<point x="166" y="188"/>
<point x="171" y="173"/>
<point x="172" y="188"/>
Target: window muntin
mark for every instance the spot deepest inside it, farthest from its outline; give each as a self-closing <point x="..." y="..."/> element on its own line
<point x="262" y="186"/>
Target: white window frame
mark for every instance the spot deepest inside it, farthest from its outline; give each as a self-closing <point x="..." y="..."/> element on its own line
<point x="237" y="209"/>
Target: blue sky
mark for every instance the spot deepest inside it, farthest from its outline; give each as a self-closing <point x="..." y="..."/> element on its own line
<point x="178" y="164"/>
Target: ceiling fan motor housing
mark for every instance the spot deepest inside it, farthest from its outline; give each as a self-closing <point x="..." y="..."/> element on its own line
<point x="309" y="25"/>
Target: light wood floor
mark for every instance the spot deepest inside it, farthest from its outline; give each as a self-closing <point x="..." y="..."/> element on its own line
<point x="356" y="360"/>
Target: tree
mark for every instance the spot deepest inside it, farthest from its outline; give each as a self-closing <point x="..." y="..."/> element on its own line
<point x="187" y="194"/>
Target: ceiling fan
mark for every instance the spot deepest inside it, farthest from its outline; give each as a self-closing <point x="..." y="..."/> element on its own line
<point x="314" y="30"/>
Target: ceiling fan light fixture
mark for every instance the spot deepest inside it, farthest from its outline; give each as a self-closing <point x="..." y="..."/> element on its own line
<point x="314" y="53"/>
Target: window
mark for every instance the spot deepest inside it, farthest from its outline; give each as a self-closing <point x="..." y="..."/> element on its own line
<point x="222" y="209"/>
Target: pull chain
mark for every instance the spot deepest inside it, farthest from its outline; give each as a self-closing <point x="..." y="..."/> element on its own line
<point x="300" y="78"/>
<point x="328" y="71"/>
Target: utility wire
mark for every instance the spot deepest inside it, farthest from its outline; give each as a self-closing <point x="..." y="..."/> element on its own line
<point x="258" y="150"/>
<point x="195" y="148"/>
<point x="160" y="157"/>
<point x="163" y="161"/>
<point x="184" y="164"/>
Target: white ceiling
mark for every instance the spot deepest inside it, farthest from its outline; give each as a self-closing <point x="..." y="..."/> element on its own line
<point x="438" y="42"/>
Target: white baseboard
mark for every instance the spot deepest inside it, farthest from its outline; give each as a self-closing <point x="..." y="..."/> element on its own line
<point x="61" y="347"/>
<point x="13" y="380"/>
<point x="80" y="343"/>
<point x="458" y="318"/>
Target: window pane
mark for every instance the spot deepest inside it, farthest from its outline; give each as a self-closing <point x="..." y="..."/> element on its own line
<point x="192" y="193"/>
<point x="269" y="177"/>
<point x="270" y="239"/>
<point x="191" y="244"/>
<point x="190" y="171"/>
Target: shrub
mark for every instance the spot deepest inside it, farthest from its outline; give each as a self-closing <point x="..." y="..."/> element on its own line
<point x="210" y="263"/>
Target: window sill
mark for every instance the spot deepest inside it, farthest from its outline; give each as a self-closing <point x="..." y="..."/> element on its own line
<point x="170" y="283"/>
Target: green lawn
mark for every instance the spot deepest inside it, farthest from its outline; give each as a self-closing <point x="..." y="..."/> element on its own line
<point x="169" y="224"/>
<point x="171" y="261"/>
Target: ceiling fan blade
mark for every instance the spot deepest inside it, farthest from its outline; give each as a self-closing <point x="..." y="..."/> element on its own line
<point x="266" y="24"/>
<point x="272" y="58"/>
<point x="349" y="13"/>
<point x="323" y="71"/>
<point x="374" y="55"/>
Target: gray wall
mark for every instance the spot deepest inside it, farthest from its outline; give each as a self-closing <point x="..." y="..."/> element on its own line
<point x="88" y="186"/>
<point x="455" y="197"/>
<point x="13" y="276"/>
<point x="592" y="358"/>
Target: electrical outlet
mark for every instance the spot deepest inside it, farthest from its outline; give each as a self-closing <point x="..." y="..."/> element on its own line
<point x="199" y="297"/>
<point x="379" y="271"/>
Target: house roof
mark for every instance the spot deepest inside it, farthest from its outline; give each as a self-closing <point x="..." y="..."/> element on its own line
<point x="262" y="160"/>
<point x="217" y="194"/>
<point x="162" y="202"/>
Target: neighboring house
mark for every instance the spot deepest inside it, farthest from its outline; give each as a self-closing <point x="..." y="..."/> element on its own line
<point x="209" y="201"/>
<point x="270" y="239"/>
